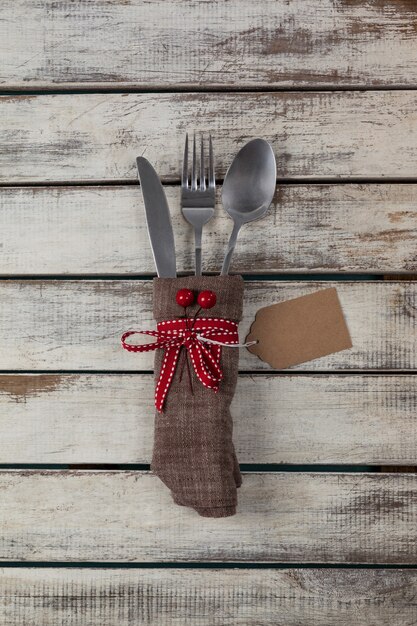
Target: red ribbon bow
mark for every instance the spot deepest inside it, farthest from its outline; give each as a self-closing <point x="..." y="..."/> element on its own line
<point x="197" y="336"/>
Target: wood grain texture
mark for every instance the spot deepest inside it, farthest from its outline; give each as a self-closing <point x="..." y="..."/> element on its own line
<point x="114" y="516"/>
<point x="69" y="418"/>
<point x="77" y="325"/>
<point x="108" y="43"/>
<point x="96" y="137"/>
<point x="202" y="597"/>
<point x="310" y="228"/>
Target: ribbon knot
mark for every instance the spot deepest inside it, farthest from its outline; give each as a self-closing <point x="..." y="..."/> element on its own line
<point x="189" y="337"/>
<point x="203" y="339"/>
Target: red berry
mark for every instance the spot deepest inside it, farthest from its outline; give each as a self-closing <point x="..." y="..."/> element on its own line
<point x="207" y="299"/>
<point x="184" y="297"/>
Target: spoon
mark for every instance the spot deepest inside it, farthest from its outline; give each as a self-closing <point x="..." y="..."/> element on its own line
<point x="248" y="189"/>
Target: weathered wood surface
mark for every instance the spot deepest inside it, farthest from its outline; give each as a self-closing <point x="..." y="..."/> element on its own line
<point x="207" y="597"/>
<point x="102" y="230"/>
<point x="77" y="325"/>
<point x="96" y="137"/>
<point x="108" y="43"/>
<point x="85" y="418"/>
<point x="114" y="516"/>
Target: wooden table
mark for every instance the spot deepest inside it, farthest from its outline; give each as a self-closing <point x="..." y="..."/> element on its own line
<point x="326" y="528"/>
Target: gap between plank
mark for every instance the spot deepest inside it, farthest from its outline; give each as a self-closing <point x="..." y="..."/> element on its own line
<point x="245" y="467"/>
<point x="202" y="565"/>
<point x="220" y="89"/>
<point x="128" y="182"/>
<point x="288" y="372"/>
<point x="290" y="277"/>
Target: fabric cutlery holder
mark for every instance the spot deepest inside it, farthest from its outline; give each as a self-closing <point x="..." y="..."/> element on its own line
<point x="193" y="450"/>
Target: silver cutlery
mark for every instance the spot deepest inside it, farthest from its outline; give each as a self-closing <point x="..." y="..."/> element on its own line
<point x="158" y="219"/>
<point x="198" y="194"/>
<point x="248" y="189"/>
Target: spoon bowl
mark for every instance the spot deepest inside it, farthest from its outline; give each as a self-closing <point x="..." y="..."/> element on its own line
<point x="248" y="189"/>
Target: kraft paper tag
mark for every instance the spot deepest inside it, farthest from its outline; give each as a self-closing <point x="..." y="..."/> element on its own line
<point x="299" y="330"/>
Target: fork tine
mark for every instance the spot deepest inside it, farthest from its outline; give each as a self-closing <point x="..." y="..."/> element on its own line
<point x="211" y="177"/>
<point x="202" y="172"/>
<point x="194" y="167"/>
<point x="184" y="177"/>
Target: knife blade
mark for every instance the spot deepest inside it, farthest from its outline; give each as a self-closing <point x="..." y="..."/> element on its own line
<point x="158" y="219"/>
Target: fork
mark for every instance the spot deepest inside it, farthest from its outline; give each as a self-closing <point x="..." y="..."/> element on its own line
<point x="198" y="195"/>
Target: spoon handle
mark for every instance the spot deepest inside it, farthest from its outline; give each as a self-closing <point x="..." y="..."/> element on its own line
<point x="230" y="249"/>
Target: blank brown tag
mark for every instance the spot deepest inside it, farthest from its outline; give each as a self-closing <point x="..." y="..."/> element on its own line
<point x="299" y="330"/>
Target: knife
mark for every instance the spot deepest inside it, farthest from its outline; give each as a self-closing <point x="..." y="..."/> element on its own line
<point x="158" y="219"/>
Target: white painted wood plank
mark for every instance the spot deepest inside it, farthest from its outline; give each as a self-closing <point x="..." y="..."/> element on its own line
<point x="96" y="137"/>
<point x="70" y="418"/>
<point x="114" y="516"/>
<point x="207" y="597"/>
<point x="77" y="325"/>
<point x="180" y="43"/>
<point x="310" y="228"/>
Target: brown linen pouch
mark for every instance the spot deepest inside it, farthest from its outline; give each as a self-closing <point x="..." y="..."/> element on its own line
<point x="193" y="449"/>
